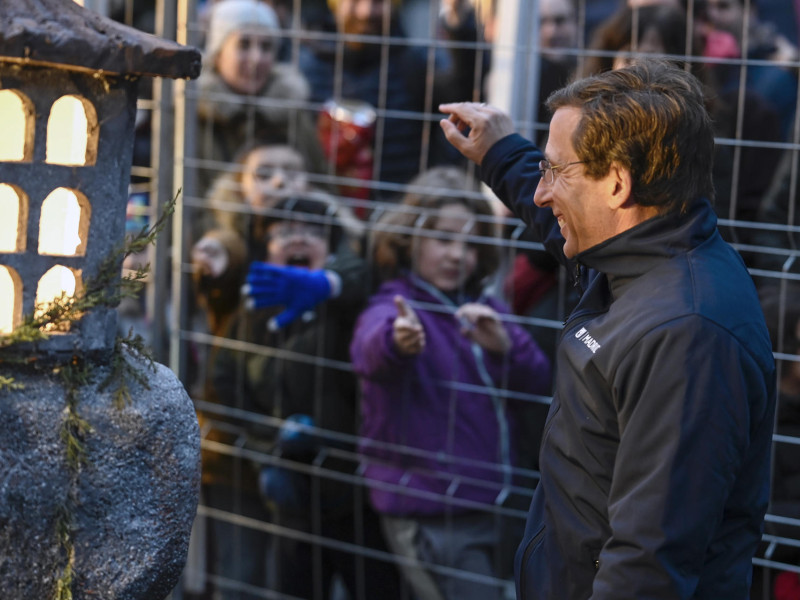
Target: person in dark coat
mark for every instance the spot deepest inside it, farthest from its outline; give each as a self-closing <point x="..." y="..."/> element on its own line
<point x="390" y="75"/>
<point x="758" y="42"/>
<point x="656" y="455"/>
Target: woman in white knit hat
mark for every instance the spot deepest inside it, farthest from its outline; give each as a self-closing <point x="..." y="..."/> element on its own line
<point x="240" y="43"/>
<point x="245" y="94"/>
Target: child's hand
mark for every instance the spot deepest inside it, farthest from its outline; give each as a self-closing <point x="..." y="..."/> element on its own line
<point x="481" y="324"/>
<point x="409" y="335"/>
<point x="209" y="257"/>
<point x="295" y="288"/>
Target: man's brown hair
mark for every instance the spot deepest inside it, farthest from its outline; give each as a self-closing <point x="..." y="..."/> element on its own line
<point x="649" y="118"/>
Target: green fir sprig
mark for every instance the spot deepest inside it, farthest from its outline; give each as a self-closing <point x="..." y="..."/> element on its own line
<point x="122" y="370"/>
<point x="74" y="428"/>
<point x="9" y="383"/>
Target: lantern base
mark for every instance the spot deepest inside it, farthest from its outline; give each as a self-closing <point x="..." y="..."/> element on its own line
<point x="113" y="513"/>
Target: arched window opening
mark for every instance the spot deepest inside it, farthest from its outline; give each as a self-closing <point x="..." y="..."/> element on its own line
<point x="10" y="299"/>
<point x="64" y="223"/>
<point x="17" y="116"/>
<point x="13" y="225"/>
<point x="72" y="132"/>
<point x="59" y="282"/>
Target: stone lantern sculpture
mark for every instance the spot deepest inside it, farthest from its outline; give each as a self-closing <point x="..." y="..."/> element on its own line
<point x="97" y="496"/>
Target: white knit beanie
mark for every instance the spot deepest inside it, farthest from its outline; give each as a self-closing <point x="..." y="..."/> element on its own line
<point x="227" y="16"/>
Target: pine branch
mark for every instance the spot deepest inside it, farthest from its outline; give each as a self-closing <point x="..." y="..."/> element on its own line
<point x="74" y="428"/>
<point x="9" y="383"/>
<point x="122" y="369"/>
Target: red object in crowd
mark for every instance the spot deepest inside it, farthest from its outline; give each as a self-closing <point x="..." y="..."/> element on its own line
<point x="346" y="131"/>
<point x="721" y="44"/>
<point x="787" y="586"/>
<point x="526" y="284"/>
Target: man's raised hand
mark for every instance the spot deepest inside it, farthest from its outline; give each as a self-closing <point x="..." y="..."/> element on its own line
<point x="474" y="127"/>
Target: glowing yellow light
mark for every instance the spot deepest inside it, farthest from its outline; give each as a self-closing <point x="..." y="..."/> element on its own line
<point x="60" y="223"/>
<point x="9" y="299"/>
<point x="9" y="224"/>
<point x="58" y="281"/>
<point x="67" y="132"/>
<point x="12" y="116"/>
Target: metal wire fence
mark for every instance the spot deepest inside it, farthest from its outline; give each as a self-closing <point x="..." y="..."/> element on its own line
<point x="506" y="60"/>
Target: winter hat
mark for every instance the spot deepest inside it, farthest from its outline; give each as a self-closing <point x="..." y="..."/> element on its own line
<point x="228" y="16"/>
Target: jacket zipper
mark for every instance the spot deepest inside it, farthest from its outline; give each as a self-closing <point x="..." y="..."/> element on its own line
<point x="497" y="403"/>
<point x="499" y="410"/>
<point x="574" y="315"/>
<point x="576" y="277"/>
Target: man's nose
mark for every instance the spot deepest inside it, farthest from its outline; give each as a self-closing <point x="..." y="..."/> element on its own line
<point x="541" y="196"/>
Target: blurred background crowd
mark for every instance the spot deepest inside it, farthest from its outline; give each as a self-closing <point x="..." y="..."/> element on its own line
<point x="325" y="287"/>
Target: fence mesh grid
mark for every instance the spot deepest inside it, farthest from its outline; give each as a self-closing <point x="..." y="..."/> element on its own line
<point x="359" y="156"/>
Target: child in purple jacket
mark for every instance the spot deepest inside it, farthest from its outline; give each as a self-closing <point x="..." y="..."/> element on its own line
<point x="441" y="374"/>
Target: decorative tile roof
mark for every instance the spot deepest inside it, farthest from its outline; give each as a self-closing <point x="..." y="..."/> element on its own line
<point x="64" y="33"/>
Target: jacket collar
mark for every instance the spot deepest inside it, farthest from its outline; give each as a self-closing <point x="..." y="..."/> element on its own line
<point x="646" y="246"/>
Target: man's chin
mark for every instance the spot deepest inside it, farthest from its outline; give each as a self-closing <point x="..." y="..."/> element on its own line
<point x="568" y="250"/>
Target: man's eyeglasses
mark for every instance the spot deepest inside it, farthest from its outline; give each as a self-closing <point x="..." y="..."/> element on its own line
<point x="548" y="171"/>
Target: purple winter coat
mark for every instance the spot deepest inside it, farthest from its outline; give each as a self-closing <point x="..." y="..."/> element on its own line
<point x="430" y="424"/>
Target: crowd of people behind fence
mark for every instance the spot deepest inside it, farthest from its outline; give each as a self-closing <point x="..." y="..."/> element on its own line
<point x="383" y="330"/>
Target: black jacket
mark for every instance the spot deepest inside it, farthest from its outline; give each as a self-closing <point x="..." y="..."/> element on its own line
<point x="655" y="456"/>
<point x="301" y="369"/>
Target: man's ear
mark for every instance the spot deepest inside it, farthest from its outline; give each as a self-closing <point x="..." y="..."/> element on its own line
<point x="621" y="186"/>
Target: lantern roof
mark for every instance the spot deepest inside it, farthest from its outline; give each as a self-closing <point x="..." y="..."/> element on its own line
<point x="63" y="33"/>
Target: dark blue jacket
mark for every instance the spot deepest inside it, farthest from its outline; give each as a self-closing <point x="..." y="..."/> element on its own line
<point x="655" y="455"/>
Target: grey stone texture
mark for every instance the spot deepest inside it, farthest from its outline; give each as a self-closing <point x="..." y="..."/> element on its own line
<point x="131" y="505"/>
<point x="65" y="33"/>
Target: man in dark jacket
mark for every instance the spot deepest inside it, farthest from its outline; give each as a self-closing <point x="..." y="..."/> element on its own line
<point x="655" y="457"/>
